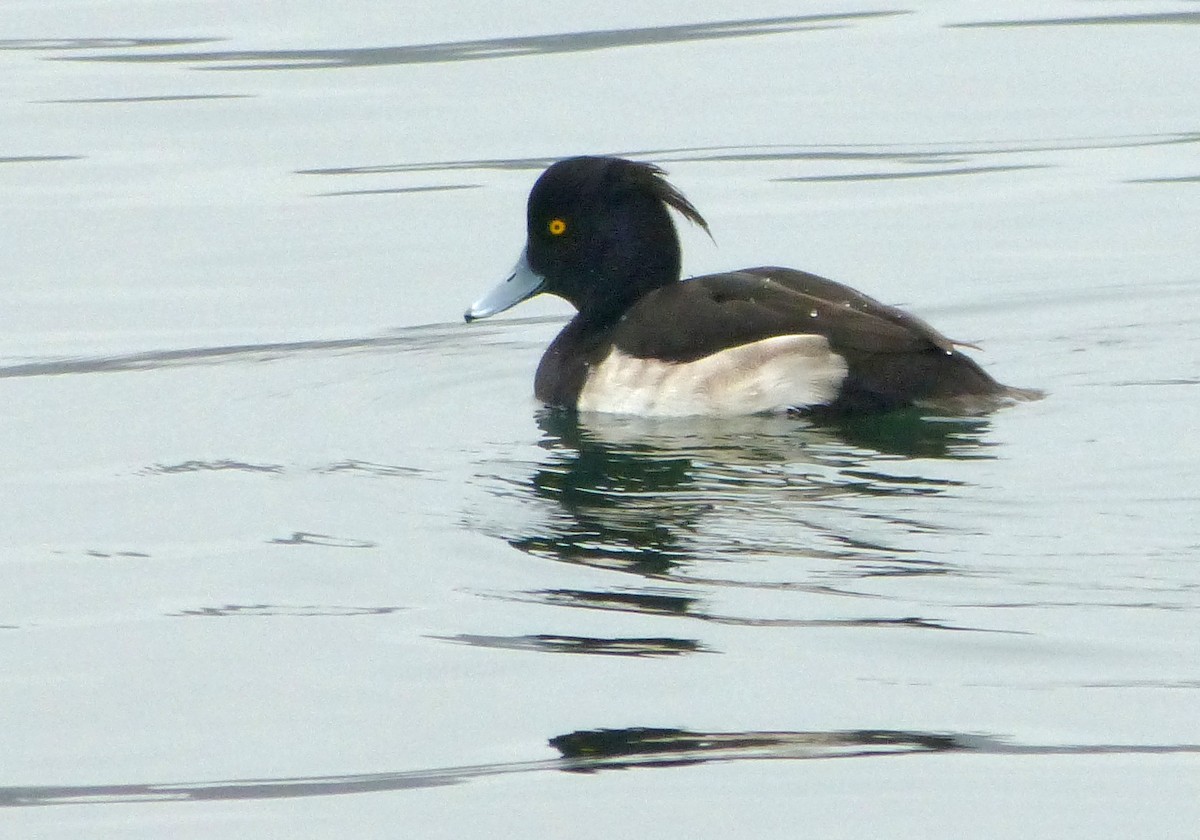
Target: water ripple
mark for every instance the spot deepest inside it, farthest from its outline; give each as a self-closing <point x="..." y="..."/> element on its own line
<point x="493" y="48"/>
<point x="295" y="611"/>
<point x="945" y="153"/>
<point x="585" y="751"/>
<point x="552" y="643"/>
<point x="1132" y="19"/>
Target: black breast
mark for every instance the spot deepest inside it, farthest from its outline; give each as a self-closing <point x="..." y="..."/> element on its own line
<point x="565" y="364"/>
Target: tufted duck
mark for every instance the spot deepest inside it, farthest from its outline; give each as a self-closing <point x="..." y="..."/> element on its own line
<point x="743" y="342"/>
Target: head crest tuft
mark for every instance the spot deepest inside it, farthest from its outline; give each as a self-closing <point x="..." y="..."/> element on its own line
<point x="652" y="179"/>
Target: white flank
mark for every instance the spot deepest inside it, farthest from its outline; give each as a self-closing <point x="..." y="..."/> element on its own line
<point x="787" y="371"/>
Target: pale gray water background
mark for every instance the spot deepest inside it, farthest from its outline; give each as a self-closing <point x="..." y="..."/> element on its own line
<point x="289" y="551"/>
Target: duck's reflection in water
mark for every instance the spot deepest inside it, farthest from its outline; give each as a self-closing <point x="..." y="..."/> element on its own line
<point x="762" y="502"/>
<point x="641" y="495"/>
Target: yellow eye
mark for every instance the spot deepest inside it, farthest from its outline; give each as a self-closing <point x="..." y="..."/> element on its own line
<point x="557" y="227"/>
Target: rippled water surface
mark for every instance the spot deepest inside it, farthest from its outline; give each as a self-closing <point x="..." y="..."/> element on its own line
<point x="290" y="551"/>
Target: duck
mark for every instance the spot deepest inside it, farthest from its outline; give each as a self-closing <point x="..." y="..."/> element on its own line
<point x="644" y="341"/>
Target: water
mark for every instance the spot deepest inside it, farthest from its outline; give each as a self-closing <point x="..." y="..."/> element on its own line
<point x="290" y="551"/>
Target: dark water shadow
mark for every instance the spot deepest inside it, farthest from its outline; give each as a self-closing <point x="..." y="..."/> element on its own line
<point x="219" y="465"/>
<point x="585" y="751"/>
<point x="928" y="173"/>
<point x="1131" y="19"/>
<point x="350" y="466"/>
<point x="906" y="160"/>
<point x="928" y="153"/>
<point x="1180" y="179"/>
<point x="648" y="601"/>
<point x="278" y="610"/>
<point x="68" y="44"/>
<point x="132" y="100"/>
<point x="446" y="339"/>
<point x="640" y="647"/>
<point x="39" y="158"/>
<point x="601" y="749"/>
<point x="324" y="540"/>
<point x="493" y="48"/>
<point x="401" y="190"/>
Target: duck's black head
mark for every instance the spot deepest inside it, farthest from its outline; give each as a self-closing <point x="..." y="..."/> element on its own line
<point x="599" y="235"/>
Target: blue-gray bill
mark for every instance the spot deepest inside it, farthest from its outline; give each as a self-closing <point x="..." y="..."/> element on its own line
<point x="521" y="285"/>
